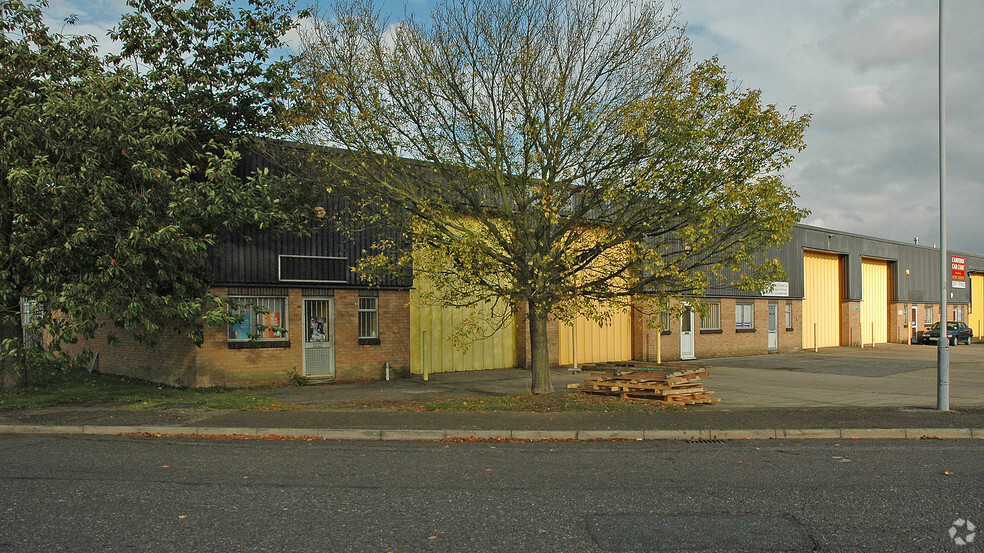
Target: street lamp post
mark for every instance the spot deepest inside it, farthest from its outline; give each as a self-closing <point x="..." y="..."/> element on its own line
<point x="943" y="342"/>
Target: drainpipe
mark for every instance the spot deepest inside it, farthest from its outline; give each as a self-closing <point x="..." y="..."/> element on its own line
<point x="574" y="342"/>
<point x="423" y="355"/>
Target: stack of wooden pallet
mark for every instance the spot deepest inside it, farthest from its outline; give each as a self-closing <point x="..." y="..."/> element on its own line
<point x="674" y="384"/>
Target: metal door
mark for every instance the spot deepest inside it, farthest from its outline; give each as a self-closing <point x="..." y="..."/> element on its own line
<point x="319" y="337"/>
<point x="687" y="334"/>
<point x="773" y="327"/>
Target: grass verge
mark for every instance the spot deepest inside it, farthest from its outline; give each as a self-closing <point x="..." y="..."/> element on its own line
<point x="81" y="388"/>
<point x="547" y="403"/>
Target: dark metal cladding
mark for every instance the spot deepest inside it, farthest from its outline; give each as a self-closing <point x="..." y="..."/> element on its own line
<point x="323" y="259"/>
<point x="920" y="285"/>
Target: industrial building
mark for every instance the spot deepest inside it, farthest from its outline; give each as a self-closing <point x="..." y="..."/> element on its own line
<point x="305" y="313"/>
<point x="321" y="322"/>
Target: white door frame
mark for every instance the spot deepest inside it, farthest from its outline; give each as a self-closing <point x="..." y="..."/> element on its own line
<point x="687" y="336"/>
<point x="914" y="316"/>
<point x="773" y="326"/>
<point x="310" y="341"/>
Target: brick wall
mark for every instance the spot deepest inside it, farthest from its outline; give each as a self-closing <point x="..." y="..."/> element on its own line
<point x="850" y="321"/>
<point x="218" y="365"/>
<point x="649" y="344"/>
<point x="358" y="362"/>
<point x="177" y="361"/>
<point x="170" y="361"/>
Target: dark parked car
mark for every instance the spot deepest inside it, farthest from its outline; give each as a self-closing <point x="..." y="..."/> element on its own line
<point x="955" y="332"/>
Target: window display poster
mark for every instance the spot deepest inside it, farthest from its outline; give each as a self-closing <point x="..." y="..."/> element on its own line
<point x="316" y="330"/>
<point x="240" y="330"/>
<point x="271" y="321"/>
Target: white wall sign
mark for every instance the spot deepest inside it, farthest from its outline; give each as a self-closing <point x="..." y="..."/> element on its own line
<point x="777" y="289"/>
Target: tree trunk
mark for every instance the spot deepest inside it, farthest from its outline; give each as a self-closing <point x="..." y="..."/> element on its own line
<point x="540" y="351"/>
<point x="14" y="377"/>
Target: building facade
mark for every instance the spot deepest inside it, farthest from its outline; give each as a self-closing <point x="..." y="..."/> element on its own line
<point x="305" y="313"/>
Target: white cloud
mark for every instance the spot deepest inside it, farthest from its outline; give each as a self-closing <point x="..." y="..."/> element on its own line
<point x="867" y="71"/>
<point x="885" y="38"/>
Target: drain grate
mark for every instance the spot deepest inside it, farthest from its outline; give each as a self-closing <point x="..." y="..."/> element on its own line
<point x="705" y="441"/>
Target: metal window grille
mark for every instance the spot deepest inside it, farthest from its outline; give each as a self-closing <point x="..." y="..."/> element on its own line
<point x="260" y="318"/>
<point x="744" y="315"/>
<point x="368" y="317"/>
<point x="711" y="320"/>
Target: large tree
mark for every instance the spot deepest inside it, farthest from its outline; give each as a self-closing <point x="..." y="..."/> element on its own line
<point x="563" y="155"/>
<point x="117" y="174"/>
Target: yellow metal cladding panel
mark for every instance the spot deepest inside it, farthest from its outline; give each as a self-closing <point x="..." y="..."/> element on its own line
<point x="595" y="343"/>
<point x="874" y="301"/>
<point x="431" y="331"/>
<point x="821" y="299"/>
<point x="976" y="317"/>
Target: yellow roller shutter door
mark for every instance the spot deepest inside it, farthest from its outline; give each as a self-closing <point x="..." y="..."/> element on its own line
<point x="976" y="318"/>
<point x="874" y="301"/>
<point x="431" y="329"/>
<point x="821" y="299"/>
<point x="595" y="343"/>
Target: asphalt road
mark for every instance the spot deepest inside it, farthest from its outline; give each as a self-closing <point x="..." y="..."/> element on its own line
<point x="144" y="494"/>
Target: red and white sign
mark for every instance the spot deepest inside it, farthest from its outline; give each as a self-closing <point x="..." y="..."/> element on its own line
<point x="958" y="272"/>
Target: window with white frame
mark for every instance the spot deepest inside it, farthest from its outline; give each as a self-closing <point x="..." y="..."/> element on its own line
<point x="664" y="321"/>
<point x="259" y="318"/>
<point x="712" y="319"/>
<point x="958" y="313"/>
<point x="789" y="316"/>
<point x="929" y="314"/>
<point x="368" y="317"/>
<point x="744" y="315"/>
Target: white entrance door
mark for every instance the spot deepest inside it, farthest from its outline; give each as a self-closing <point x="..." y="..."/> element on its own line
<point x="773" y="327"/>
<point x="319" y="337"/>
<point x="687" y="334"/>
<point x="913" y="317"/>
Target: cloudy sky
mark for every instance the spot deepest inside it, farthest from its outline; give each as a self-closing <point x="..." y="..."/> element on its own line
<point x="865" y="69"/>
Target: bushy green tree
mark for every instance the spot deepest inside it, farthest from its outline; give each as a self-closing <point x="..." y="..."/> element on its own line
<point x="118" y="174"/>
<point x="568" y="154"/>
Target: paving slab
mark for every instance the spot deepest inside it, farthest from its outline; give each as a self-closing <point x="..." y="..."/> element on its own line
<point x="743" y="434"/>
<point x="690" y="434"/>
<point x="544" y="434"/>
<point x="340" y="434"/>
<point x="611" y="435"/>
<point x="478" y="434"/>
<point x="941" y="433"/>
<point x="413" y="435"/>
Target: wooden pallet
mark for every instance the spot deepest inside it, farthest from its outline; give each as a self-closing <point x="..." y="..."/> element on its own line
<point x="673" y="384"/>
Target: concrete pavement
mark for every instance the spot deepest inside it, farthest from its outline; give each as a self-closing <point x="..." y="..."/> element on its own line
<point x="838" y="393"/>
<point x="888" y="375"/>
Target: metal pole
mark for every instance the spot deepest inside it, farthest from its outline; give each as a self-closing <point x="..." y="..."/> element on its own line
<point x="943" y="343"/>
<point x="424" y="345"/>
<point x="574" y="342"/>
